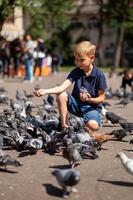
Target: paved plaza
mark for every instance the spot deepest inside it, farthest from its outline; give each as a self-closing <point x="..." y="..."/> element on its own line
<point x="101" y="179"/>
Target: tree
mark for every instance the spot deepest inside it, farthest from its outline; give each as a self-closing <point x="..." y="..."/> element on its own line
<point x="48" y="15"/>
<point x="120" y="16"/>
<point x="101" y="22"/>
<point x="6" y="9"/>
<point x="43" y="13"/>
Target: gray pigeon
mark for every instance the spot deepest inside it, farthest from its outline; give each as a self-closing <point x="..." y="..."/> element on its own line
<point x="1" y="141"/>
<point x="126" y="162"/>
<point x="6" y="159"/>
<point x="119" y="133"/>
<point x="72" y="154"/>
<point x="126" y="125"/>
<point x="67" y="178"/>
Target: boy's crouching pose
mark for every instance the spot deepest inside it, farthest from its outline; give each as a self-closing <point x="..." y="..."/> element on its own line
<point x="88" y="92"/>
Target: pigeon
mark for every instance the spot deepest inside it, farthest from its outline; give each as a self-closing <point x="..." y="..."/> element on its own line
<point x="123" y="102"/>
<point x="7" y="112"/>
<point x="86" y="149"/>
<point x="126" y="125"/>
<point x="28" y="96"/>
<point x="1" y="141"/>
<point x="6" y="159"/>
<point x="4" y="99"/>
<point x="50" y="100"/>
<point x="131" y="141"/>
<point x="119" y="134"/>
<point x="72" y="154"/>
<point x="67" y="178"/>
<point x="20" y="96"/>
<point x="108" y="93"/>
<point x="105" y="104"/>
<point x="47" y="107"/>
<point x="15" y="105"/>
<point x="83" y="136"/>
<point x="37" y="87"/>
<point x="113" y="117"/>
<point x="126" y="162"/>
<point x="33" y="145"/>
<point x="83" y="90"/>
<point x="2" y="90"/>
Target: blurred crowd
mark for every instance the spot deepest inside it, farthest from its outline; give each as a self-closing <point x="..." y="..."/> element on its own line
<point x="28" y="58"/>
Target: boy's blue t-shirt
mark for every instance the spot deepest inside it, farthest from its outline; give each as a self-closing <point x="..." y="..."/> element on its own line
<point x="94" y="82"/>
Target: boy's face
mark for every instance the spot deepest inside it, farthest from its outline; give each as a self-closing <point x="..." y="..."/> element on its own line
<point x="84" y="61"/>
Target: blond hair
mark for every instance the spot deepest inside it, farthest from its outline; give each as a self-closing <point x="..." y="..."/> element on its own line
<point x="84" y="47"/>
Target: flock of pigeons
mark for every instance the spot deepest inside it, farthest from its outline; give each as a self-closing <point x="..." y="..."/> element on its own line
<point x="27" y="128"/>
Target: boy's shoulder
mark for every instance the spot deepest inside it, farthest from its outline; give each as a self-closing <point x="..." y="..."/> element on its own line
<point x="76" y="70"/>
<point x="96" y="71"/>
<point x="75" y="73"/>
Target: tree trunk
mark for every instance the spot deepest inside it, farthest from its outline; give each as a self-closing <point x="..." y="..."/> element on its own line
<point x="118" y="50"/>
<point x="99" y="45"/>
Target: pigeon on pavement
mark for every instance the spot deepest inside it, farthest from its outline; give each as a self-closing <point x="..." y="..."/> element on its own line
<point x="67" y="178"/>
<point x="126" y="162"/>
<point x="6" y="159"/>
<point x="72" y="154"/>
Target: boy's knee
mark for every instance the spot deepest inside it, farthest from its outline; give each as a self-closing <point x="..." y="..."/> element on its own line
<point x="92" y="125"/>
<point x="62" y="97"/>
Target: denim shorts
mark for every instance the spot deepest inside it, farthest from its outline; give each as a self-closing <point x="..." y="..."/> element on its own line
<point x="80" y="109"/>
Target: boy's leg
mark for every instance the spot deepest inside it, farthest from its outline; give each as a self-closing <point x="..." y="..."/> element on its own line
<point x="62" y="100"/>
<point x="91" y="117"/>
<point x="92" y="125"/>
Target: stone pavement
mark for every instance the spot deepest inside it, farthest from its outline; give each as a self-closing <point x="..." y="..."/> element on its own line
<point x="101" y="179"/>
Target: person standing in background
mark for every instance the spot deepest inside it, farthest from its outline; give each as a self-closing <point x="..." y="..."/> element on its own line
<point x="28" y="58"/>
<point x="127" y="79"/>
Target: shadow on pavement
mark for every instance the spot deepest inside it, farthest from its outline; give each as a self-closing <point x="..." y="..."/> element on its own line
<point x="60" y="166"/>
<point x="128" y="150"/>
<point x="52" y="190"/>
<point x="118" y="183"/>
<point x="8" y="171"/>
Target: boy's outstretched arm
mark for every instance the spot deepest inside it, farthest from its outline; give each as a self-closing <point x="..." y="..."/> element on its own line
<point x="55" y="90"/>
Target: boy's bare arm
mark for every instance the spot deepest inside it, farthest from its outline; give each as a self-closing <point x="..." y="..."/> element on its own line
<point x="55" y="90"/>
<point x="99" y="99"/>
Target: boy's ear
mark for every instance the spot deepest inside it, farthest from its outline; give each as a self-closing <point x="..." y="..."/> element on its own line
<point x="92" y="57"/>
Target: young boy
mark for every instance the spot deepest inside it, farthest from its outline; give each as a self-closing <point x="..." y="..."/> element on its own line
<point x="88" y="92"/>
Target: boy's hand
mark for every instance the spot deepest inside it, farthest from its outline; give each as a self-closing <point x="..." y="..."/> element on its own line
<point x="85" y="96"/>
<point x="39" y="92"/>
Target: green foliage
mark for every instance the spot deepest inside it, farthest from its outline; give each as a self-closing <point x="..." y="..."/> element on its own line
<point x="49" y="14"/>
<point x="42" y="12"/>
<point x="120" y="13"/>
<point x="6" y="8"/>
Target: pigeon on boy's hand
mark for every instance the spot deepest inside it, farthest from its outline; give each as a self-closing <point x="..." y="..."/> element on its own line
<point x="83" y="90"/>
<point x="67" y="178"/>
